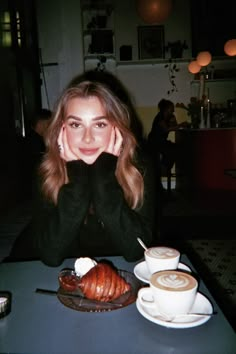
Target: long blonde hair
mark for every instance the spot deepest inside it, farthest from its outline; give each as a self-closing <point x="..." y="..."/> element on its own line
<point x="53" y="169"/>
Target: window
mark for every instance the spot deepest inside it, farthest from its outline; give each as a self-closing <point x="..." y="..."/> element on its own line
<point x="6" y="29"/>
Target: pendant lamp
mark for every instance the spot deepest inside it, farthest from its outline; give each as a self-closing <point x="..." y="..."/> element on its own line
<point x="154" y="11"/>
<point x="230" y="47"/>
<point x="194" y="67"/>
<point x="204" y="58"/>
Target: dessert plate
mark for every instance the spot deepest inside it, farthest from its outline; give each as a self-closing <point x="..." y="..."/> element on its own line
<point x="201" y="305"/>
<point x="142" y="273"/>
<point x="80" y="303"/>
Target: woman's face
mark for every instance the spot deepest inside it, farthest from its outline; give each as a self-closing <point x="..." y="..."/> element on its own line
<point x="87" y="128"/>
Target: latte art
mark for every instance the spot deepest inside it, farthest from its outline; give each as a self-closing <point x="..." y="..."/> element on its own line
<point x="173" y="281"/>
<point x="162" y="252"/>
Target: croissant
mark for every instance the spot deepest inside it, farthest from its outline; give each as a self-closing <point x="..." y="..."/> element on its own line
<point x="103" y="283"/>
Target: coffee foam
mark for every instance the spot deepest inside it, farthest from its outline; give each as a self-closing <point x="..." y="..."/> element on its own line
<point x="162" y="252"/>
<point x="173" y="280"/>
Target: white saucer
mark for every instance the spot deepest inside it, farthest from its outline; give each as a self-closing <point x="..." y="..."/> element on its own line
<point x="201" y="305"/>
<point x="142" y="273"/>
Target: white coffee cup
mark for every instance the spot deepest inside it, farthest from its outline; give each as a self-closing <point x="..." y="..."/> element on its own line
<point x="171" y="292"/>
<point x="161" y="258"/>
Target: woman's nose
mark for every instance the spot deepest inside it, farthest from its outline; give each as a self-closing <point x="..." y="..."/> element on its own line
<point x="87" y="137"/>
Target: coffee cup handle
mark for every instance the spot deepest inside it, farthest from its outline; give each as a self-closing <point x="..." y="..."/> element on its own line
<point x="149" y="301"/>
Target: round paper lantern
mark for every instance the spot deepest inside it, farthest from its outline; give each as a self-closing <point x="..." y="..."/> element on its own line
<point x="194" y="67"/>
<point x="154" y="11"/>
<point x="204" y="58"/>
<point x="230" y="47"/>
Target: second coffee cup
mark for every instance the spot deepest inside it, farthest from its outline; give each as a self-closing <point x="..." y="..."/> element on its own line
<point x="161" y="258"/>
<point x="171" y="292"/>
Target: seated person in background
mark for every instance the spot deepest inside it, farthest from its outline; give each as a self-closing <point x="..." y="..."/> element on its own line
<point x="97" y="188"/>
<point x="34" y="147"/>
<point x="37" y="134"/>
<point x="164" y="151"/>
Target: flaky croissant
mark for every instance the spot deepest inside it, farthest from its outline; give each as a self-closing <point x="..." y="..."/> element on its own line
<point x="103" y="283"/>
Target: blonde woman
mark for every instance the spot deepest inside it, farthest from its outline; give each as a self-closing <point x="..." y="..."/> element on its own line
<point x="97" y="192"/>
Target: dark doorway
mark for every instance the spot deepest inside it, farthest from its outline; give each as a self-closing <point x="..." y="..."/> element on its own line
<point x="20" y="95"/>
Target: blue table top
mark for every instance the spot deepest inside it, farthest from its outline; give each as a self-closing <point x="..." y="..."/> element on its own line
<point x="42" y="324"/>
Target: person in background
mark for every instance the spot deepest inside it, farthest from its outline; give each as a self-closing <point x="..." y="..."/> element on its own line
<point x="163" y="123"/>
<point x="163" y="151"/>
<point x="33" y="148"/>
<point x="97" y="187"/>
<point x="36" y="137"/>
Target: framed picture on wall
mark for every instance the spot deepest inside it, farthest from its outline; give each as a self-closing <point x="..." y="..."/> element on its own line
<point x="151" y="42"/>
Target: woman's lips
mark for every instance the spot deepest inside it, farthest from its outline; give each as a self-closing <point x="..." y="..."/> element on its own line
<point x="88" y="152"/>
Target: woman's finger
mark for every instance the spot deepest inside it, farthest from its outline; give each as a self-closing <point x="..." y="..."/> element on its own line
<point x="110" y="146"/>
<point x="63" y="146"/>
<point x="68" y="154"/>
<point x="60" y="142"/>
<point x="118" y="142"/>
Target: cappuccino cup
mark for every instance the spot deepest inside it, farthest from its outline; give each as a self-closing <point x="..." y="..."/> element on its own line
<point x="161" y="258"/>
<point x="171" y="292"/>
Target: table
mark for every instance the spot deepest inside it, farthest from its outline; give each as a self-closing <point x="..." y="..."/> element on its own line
<point x="41" y="324"/>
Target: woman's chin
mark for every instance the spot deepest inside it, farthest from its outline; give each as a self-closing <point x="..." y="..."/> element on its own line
<point x="89" y="160"/>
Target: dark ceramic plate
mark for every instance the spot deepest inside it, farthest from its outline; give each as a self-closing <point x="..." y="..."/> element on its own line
<point x="80" y="303"/>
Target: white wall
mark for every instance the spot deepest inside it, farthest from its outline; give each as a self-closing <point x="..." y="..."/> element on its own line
<point x="127" y="21"/>
<point x="60" y="38"/>
<point x="59" y="27"/>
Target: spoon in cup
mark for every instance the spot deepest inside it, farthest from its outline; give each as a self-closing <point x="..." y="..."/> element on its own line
<point x="142" y="243"/>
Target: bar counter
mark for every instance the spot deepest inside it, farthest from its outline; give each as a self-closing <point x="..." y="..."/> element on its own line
<point x="204" y="157"/>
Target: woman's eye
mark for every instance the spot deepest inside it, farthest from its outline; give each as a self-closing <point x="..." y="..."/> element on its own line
<point x="101" y="125"/>
<point x="74" y="125"/>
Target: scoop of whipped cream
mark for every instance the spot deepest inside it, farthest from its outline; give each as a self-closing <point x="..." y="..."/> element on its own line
<point x="83" y="265"/>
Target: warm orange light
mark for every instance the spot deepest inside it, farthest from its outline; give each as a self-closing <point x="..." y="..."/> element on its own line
<point x="204" y="58"/>
<point x="154" y="11"/>
<point x="194" y="67"/>
<point x="230" y="47"/>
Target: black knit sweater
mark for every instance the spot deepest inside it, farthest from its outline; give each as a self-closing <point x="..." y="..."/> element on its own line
<point x="91" y="218"/>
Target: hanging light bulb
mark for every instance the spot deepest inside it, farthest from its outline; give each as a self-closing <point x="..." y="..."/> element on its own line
<point x="230" y="47"/>
<point x="204" y="58"/>
<point x="194" y="67"/>
<point x="154" y="11"/>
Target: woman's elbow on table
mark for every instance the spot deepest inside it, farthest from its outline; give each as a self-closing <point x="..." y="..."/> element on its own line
<point x="51" y="259"/>
<point x="51" y="262"/>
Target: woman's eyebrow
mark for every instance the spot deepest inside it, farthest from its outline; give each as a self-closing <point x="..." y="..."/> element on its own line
<point x="80" y="119"/>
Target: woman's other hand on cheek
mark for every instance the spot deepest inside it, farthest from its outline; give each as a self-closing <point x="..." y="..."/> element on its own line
<point x="64" y="149"/>
<point x="115" y="145"/>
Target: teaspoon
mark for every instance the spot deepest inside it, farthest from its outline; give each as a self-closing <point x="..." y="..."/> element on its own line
<point x="169" y="318"/>
<point x="142" y="243"/>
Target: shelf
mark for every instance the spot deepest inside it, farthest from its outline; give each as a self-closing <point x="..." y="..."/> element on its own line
<point x="98" y="55"/>
<point x="167" y="61"/>
<point x="98" y="29"/>
<point x="214" y="80"/>
<point x="151" y="61"/>
<point x="90" y="31"/>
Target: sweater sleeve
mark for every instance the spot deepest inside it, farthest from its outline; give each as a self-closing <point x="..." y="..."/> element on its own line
<point x="123" y="224"/>
<point x="54" y="227"/>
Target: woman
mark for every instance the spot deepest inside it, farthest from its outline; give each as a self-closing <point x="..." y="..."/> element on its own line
<point x="97" y="191"/>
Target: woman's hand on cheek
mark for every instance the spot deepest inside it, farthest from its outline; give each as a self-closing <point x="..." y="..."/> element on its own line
<point x="65" y="151"/>
<point x="115" y="144"/>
